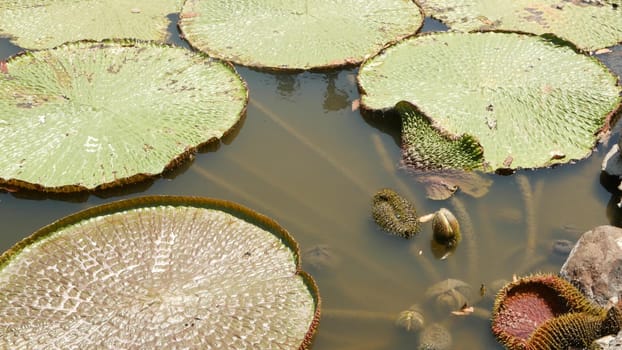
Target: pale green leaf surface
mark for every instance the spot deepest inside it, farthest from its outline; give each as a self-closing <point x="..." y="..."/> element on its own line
<point x="156" y="276"/>
<point x="525" y="99"/>
<point x="40" y="24"/>
<point x="285" y="34"/>
<point x="589" y="26"/>
<point x="89" y="114"/>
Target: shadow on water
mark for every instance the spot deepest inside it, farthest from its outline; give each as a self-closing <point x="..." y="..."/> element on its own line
<point x="175" y="36"/>
<point x="334" y="97"/>
<point x="389" y="123"/>
<point x="613" y="59"/>
<point x="286" y="83"/>
<point x="7" y="48"/>
<point x="433" y="25"/>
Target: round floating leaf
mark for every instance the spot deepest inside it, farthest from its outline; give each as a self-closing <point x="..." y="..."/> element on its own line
<point x="89" y="115"/>
<point x="528" y="101"/>
<point x="285" y="34"/>
<point x="158" y="272"/>
<point x="588" y="24"/>
<point x="48" y="23"/>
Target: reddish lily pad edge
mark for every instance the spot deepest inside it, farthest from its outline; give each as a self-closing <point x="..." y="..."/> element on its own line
<point x="232" y="208"/>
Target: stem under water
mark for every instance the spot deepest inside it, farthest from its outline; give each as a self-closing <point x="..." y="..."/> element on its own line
<point x="530" y="218"/>
<point x="357" y="259"/>
<point x="389" y="167"/>
<point x="314" y="212"/>
<point x="468" y="235"/>
<point x="228" y="186"/>
<point x="305" y="141"/>
<point x="423" y="260"/>
<point x="359" y="315"/>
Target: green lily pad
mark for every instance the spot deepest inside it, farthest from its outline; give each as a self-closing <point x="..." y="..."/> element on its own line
<point x="158" y="272"/>
<point x="588" y="24"/>
<point x="45" y="24"/>
<point x="296" y="35"/>
<point x="528" y="101"/>
<point x="91" y="115"/>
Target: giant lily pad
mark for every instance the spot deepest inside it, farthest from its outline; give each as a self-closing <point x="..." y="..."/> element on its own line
<point x="45" y="24"/>
<point x="158" y="272"/>
<point x="588" y="24"/>
<point x="89" y="115"/>
<point x="285" y="34"/>
<point x="528" y="101"/>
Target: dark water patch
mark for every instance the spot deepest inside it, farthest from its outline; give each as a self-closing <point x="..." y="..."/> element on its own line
<point x="433" y="25"/>
<point x="7" y="48"/>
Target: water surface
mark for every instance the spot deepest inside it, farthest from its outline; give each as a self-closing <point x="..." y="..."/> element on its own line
<point x="303" y="157"/>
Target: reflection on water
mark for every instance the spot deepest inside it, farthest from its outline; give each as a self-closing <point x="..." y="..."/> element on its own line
<point x="287" y="83"/>
<point x="334" y="97"/>
<point x="304" y="158"/>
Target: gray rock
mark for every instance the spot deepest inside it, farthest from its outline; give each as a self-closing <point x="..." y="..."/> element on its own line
<point x="595" y="267"/>
<point x="595" y="264"/>
<point x="609" y="342"/>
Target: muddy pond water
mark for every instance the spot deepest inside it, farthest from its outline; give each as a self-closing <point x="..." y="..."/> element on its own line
<point x="303" y="157"/>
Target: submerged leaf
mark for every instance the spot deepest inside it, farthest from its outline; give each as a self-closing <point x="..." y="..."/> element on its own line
<point x="285" y="34"/>
<point x="590" y="25"/>
<point x="524" y="98"/>
<point x="158" y="272"/>
<point x="90" y="115"/>
<point x="443" y="184"/>
<point x="48" y="23"/>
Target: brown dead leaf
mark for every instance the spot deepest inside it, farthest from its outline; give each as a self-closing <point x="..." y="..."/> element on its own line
<point x="465" y="310"/>
<point x="188" y="15"/>
<point x="508" y="161"/>
<point x="556" y="154"/>
<point x="8" y="189"/>
<point x="356" y="104"/>
<point x="602" y="51"/>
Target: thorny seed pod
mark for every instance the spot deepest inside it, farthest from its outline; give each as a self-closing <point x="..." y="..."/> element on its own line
<point x="545" y="311"/>
<point x="395" y="214"/>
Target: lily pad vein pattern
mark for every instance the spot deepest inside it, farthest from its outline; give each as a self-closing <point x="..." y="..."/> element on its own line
<point x="523" y="97"/>
<point x="296" y="35"/>
<point x="35" y="24"/>
<point x="91" y="114"/>
<point x="590" y="25"/>
<point x="157" y="275"/>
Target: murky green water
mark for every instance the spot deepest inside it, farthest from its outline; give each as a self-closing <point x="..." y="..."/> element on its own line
<point x="304" y="158"/>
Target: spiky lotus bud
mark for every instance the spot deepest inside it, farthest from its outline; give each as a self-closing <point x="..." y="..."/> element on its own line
<point x="394" y="213"/>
